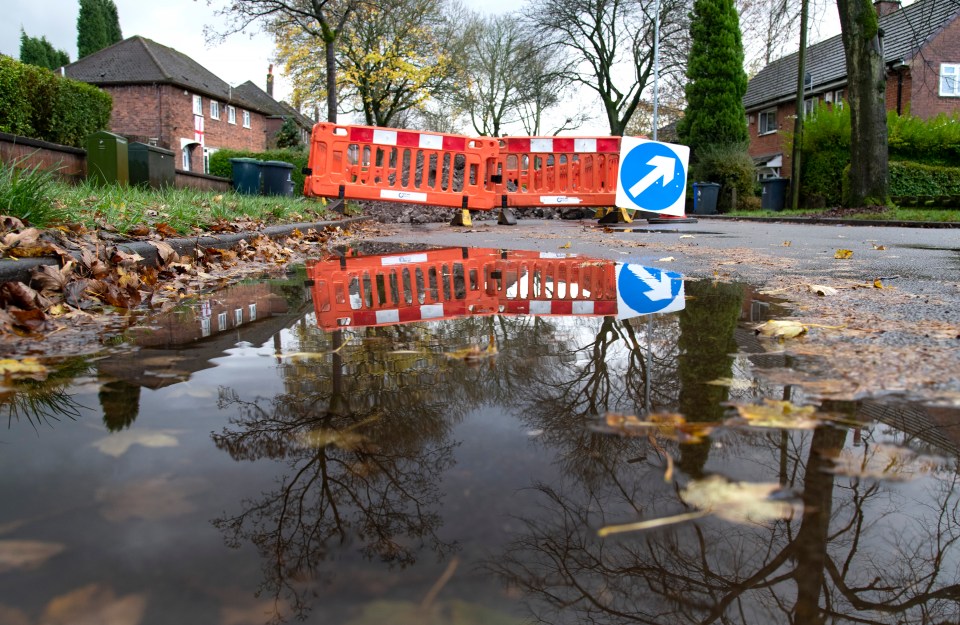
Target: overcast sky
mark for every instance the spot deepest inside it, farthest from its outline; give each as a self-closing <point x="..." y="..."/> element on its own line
<point x="177" y="24"/>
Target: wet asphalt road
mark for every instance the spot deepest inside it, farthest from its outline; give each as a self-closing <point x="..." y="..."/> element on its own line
<point x="915" y="258"/>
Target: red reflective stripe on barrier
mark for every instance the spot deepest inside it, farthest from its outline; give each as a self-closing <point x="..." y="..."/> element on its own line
<point x="408" y="139"/>
<point x="562" y="145"/>
<point x="518" y="145"/>
<point x="361" y="135"/>
<point x="458" y="144"/>
<point x="605" y="308"/>
<point x="608" y="145"/>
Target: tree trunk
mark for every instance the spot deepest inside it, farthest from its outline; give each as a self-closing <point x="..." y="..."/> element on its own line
<point x="330" y="47"/>
<point x="868" y="182"/>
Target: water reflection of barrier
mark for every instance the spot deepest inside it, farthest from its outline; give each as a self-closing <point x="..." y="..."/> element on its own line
<point x="455" y="282"/>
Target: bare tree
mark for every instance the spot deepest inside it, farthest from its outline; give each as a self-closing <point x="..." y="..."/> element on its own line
<point x="322" y="19"/>
<point x="610" y="43"/>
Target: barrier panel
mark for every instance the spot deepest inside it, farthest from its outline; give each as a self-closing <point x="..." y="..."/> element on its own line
<point x="371" y="163"/>
<point x="477" y="173"/>
<point x="557" y="171"/>
<point x="361" y="291"/>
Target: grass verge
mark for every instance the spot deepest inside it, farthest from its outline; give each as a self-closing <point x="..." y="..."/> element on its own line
<point x="888" y="214"/>
<point x="39" y="199"/>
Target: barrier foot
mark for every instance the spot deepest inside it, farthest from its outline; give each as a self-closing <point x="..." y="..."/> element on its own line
<point x="602" y="212"/>
<point x="617" y="216"/>
<point x="507" y="218"/>
<point x="462" y="218"/>
<point x="671" y="219"/>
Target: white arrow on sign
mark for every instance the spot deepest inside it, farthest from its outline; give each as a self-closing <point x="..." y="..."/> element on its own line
<point x="659" y="287"/>
<point x="663" y="167"/>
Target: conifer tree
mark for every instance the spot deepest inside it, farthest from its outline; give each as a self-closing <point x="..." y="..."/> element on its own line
<point x="98" y="26"/>
<point x="41" y="52"/>
<point x="716" y="80"/>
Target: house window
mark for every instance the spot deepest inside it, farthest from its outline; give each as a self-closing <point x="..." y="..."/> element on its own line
<point x="197" y="105"/>
<point x="207" y="153"/>
<point x="186" y="157"/>
<point x="222" y="321"/>
<point x="838" y="98"/>
<point x="238" y="315"/>
<point x="231" y="115"/>
<point x="246" y="119"/>
<point x="767" y="122"/>
<point x="214" y="109"/>
<point x="950" y="79"/>
<point x="809" y="106"/>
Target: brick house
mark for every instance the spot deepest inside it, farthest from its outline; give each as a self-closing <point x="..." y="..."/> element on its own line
<point x="280" y="111"/>
<point x="921" y="48"/>
<point x="165" y="98"/>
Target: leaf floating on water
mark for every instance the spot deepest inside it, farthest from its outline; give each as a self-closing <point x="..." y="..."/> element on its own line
<point x="787" y="243"/>
<point x="878" y="284"/>
<point x="822" y="290"/>
<point x="95" y="604"/>
<point x="781" y="328"/>
<point x="118" y="443"/>
<point x="155" y="498"/>
<point x="26" y="554"/>
<point x="879" y="247"/>
<point x="737" y="502"/>
<point x="670" y="425"/>
<point x="885" y="462"/>
<point x="775" y="414"/>
<point x="474" y="352"/>
<point x="843" y="254"/>
<point x="27" y="368"/>
<point x="346" y="440"/>
<point x="734" y="384"/>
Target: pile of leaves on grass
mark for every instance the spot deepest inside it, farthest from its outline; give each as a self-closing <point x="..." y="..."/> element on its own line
<point x="95" y="286"/>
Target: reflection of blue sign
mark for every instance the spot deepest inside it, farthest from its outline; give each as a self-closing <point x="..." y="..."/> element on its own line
<point x="652" y="176"/>
<point x="645" y="290"/>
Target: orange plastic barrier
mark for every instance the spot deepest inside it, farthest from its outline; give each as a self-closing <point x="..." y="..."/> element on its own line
<point x="557" y="171"/>
<point x="371" y="163"/>
<point x="482" y="173"/>
<point x="456" y="282"/>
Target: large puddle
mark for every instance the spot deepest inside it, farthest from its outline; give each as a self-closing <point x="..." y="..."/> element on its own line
<point x="469" y="436"/>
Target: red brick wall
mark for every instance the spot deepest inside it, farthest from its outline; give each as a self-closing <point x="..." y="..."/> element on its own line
<point x="893" y="87"/>
<point x="165" y="112"/>
<point x="772" y="143"/>
<point x="925" y="99"/>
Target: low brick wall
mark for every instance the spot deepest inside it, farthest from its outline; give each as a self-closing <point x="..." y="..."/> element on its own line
<point x="202" y="182"/>
<point x="70" y="163"/>
<point x="64" y="161"/>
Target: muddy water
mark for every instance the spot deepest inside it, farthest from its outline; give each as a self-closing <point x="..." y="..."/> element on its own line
<point x="261" y="455"/>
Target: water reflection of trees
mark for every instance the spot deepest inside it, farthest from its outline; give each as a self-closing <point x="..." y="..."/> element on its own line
<point x="43" y="398"/>
<point x="365" y="451"/>
<point x="863" y="551"/>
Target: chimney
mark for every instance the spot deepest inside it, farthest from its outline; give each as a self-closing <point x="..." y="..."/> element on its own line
<point x="886" y="7"/>
<point x="270" y="81"/>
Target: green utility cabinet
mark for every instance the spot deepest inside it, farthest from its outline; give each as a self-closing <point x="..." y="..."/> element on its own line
<point x="107" y="159"/>
<point x="151" y="166"/>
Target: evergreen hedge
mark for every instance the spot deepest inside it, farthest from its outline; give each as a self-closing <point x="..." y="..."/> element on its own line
<point x="220" y="163"/>
<point x="37" y="103"/>
<point x="920" y="153"/>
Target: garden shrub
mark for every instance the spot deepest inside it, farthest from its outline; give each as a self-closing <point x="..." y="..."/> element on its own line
<point x="918" y="179"/>
<point x="220" y="163"/>
<point x="37" y="103"/>
<point x="730" y="165"/>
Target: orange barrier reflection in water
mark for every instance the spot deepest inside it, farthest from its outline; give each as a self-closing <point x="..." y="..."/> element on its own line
<point x="448" y="283"/>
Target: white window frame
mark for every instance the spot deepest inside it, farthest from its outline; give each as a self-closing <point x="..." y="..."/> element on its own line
<point x="764" y="129"/>
<point x="838" y="97"/>
<point x="809" y="106"/>
<point x="185" y="152"/>
<point x="197" y="105"/>
<point x="214" y="109"/>
<point x="231" y="115"/>
<point x="950" y="80"/>
<point x="246" y="119"/>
